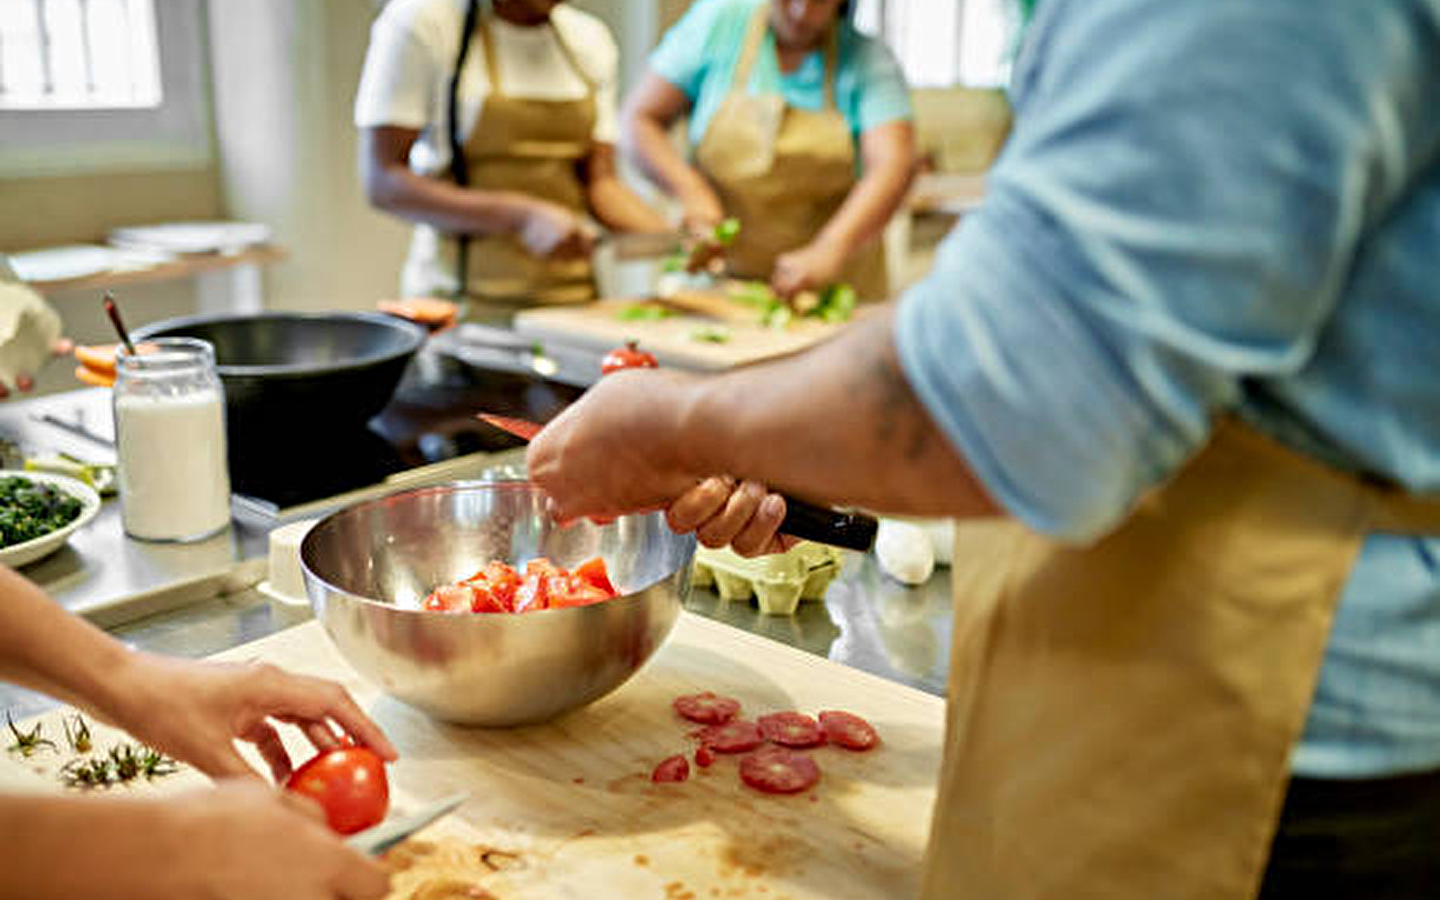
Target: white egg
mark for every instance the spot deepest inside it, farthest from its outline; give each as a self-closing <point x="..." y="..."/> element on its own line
<point x="904" y="551"/>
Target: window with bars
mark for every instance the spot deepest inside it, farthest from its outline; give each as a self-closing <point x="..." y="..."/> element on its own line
<point x="79" y="54"/>
<point x="945" y="43"/>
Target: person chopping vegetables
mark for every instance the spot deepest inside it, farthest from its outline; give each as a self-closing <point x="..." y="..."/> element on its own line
<point x="1188" y="346"/>
<point x="492" y="125"/>
<point x="800" y="128"/>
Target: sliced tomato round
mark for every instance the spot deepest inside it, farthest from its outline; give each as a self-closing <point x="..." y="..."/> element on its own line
<point x="704" y="757"/>
<point x="707" y="708"/>
<point x="672" y="768"/>
<point x="848" y="730"/>
<point x="791" y="729"/>
<point x="732" y="737"/>
<point x="779" y="770"/>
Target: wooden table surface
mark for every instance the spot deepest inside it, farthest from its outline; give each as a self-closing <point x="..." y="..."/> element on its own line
<point x="567" y="810"/>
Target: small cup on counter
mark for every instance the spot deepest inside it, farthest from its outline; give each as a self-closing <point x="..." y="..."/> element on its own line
<point x="169" y="410"/>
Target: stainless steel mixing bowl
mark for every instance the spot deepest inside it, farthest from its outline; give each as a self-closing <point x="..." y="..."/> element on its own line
<point x="368" y="567"/>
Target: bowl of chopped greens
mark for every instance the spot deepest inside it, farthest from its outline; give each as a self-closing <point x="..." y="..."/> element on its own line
<point x="38" y="513"/>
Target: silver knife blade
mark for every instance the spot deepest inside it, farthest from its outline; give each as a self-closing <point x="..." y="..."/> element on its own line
<point x="379" y="838"/>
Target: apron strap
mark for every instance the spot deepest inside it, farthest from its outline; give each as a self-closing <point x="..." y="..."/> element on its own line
<point x="459" y="165"/>
<point x="492" y="65"/>
<point x="755" y="38"/>
<point x="832" y="64"/>
<point x="1395" y="511"/>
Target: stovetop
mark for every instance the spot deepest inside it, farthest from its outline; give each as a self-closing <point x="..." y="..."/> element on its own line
<point x="431" y="419"/>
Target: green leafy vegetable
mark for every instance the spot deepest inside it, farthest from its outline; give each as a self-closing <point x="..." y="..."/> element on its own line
<point x="727" y="231"/>
<point x="834" y="305"/>
<point x="710" y="335"/>
<point x="29" y="509"/>
<point x="643" y="312"/>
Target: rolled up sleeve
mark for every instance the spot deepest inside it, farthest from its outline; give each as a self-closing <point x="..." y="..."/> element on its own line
<point x="1170" y="224"/>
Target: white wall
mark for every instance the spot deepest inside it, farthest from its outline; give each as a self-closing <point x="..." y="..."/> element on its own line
<point x="285" y="74"/>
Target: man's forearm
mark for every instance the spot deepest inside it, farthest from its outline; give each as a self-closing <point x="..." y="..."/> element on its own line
<point x="620" y="209"/>
<point x="838" y="424"/>
<point x="447" y="206"/>
<point x="873" y="200"/>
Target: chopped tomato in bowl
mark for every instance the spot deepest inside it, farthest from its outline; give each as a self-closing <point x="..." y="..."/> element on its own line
<point x="500" y="588"/>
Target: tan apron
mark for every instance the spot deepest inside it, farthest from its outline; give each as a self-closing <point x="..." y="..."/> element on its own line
<point x="782" y="171"/>
<point x="527" y="145"/>
<point x="1121" y="716"/>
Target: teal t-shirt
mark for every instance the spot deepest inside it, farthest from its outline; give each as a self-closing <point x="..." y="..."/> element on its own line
<point x="699" y="54"/>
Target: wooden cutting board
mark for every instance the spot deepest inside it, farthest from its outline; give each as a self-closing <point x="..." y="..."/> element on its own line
<point x="597" y="327"/>
<point x="567" y="810"/>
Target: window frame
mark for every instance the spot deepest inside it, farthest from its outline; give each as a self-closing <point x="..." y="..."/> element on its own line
<point x="176" y="134"/>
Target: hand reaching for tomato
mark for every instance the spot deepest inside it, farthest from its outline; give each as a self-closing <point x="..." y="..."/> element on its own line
<point x="196" y="710"/>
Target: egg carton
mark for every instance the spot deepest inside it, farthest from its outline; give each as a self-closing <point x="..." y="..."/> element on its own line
<point x="778" y="581"/>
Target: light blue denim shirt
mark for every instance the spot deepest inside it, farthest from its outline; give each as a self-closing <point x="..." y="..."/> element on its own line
<point x="1214" y="206"/>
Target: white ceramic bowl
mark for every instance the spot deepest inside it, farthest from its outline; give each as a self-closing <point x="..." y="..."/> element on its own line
<point x="36" y="548"/>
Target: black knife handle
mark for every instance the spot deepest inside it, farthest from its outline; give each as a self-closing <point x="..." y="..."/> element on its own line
<point x="852" y="531"/>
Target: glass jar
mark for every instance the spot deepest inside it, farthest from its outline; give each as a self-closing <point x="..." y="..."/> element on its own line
<point x="170" y="442"/>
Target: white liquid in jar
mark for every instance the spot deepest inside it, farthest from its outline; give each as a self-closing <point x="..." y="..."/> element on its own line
<point x="173" y="480"/>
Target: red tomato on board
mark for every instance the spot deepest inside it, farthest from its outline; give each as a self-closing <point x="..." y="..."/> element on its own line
<point x="707" y="708"/>
<point x="776" y="770"/>
<point x="674" y="768"/>
<point x="629" y="356"/>
<point x="732" y="737"/>
<point x="704" y="757"/>
<point x="791" y="729"/>
<point x="349" y="784"/>
<point x="848" y="730"/>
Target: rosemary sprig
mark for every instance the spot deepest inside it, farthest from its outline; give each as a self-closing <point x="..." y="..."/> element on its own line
<point x="79" y="739"/>
<point x="27" y="743"/>
<point x="121" y="763"/>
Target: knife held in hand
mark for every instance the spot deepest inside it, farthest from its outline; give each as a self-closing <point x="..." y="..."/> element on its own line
<point x="379" y="838"/>
<point x="851" y="531"/>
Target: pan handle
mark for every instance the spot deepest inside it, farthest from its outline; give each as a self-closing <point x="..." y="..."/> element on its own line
<point x="851" y="531"/>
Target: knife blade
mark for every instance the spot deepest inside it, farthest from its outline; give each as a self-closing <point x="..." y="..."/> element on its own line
<point x="851" y="531"/>
<point x="379" y="838"/>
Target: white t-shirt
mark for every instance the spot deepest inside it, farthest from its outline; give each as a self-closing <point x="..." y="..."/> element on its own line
<point x="413" y="45"/>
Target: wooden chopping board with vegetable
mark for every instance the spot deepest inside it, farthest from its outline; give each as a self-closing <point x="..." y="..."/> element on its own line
<point x="569" y="809"/>
<point x="702" y="329"/>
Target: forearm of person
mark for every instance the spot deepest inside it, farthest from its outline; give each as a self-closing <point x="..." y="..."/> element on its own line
<point x="654" y="106"/>
<point x="840" y="424"/>
<point x="45" y="648"/>
<point x="621" y="209"/>
<point x="648" y="144"/>
<point x="447" y="206"/>
<point x="889" y="155"/>
<point x="60" y="848"/>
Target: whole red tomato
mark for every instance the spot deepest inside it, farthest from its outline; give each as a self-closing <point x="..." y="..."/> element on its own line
<point x="629" y="356"/>
<point x="349" y="783"/>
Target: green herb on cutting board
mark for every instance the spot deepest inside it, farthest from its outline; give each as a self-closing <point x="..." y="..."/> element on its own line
<point x="79" y="739"/>
<point x="710" y="335"/>
<point x="643" y="312"/>
<point x="833" y="305"/>
<point x="27" y="742"/>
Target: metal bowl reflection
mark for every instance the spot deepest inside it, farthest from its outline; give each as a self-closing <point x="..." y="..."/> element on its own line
<point x="368" y="567"/>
